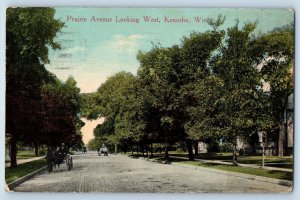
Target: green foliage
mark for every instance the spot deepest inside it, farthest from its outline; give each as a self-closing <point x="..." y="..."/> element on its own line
<point x="245" y="170"/>
<point x="226" y="147"/>
<point x="94" y="144"/>
<point x="61" y="105"/>
<point x="30" y="31"/>
<point x="118" y="101"/>
<point x="277" y="69"/>
<point x="29" y="34"/>
<point x="208" y="87"/>
<point x="90" y="107"/>
<point x="204" y="115"/>
<point x="165" y="75"/>
<point x="12" y="174"/>
<point x="240" y="102"/>
<point x="216" y="23"/>
<point x="25" y="154"/>
<point x="42" y="151"/>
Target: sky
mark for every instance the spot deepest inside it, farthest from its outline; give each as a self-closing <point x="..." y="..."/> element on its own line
<point x="92" y="51"/>
<point x="88" y="128"/>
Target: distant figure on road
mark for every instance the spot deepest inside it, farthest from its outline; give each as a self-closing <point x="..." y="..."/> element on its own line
<point x="84" y="150"/>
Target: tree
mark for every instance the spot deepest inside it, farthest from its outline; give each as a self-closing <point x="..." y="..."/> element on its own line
<point x="61" y="106"/>
<point x="94" y="144"/>
<point x="90" y="108"/>
<point x="197" y="51"/>
<point x="277" y="70"/>
<point x="204" y="120"/>
<point x="130" y="123"/>
<point x="102" y="133"/>
<point x="241" y="102"/>
<point x="117" y="101"/>
<point x="207" y="88"/>
<point x="159" y="79"/>
<point x="30" y="31"/>
<point x="165" y="73"/>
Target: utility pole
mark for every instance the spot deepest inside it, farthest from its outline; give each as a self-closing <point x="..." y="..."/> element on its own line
<point x="262" y="144"/>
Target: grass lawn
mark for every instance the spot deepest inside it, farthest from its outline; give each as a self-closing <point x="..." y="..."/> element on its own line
<point x="25" y="154"/>
<point x="12" y="174"/>
<point x="182" y="158"/>
<point x="284" y="161"/>
<point x="271" y="161"/>
<point x="245" y="170"/>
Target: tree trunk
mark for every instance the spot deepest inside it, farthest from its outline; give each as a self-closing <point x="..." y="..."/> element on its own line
<point x="281" y="139"/>
<point x="234" y="156"/>
<point x="116" y="148"/>
<point x="13" y="152"/>
<point x="196" y="146"/>
<point x="36" y="151"/>
<point x="142" y="149"/>
<point x="151" y="149"/>
<point x="189" y="144"/>
<point x="166" y="152"/>
<point x="147" y="150"/>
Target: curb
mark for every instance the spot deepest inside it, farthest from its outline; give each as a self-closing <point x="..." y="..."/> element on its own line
<point x="25" y="178"/>
<point x="236" y="174"/>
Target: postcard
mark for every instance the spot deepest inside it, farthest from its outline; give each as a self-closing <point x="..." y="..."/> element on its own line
<point x="149" y="100"/>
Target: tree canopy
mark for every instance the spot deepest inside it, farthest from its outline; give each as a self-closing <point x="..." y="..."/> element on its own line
<point x="33" y="94"/>
<point x="208" y="87"/>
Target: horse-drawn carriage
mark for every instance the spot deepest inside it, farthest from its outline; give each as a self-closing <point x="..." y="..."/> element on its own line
<point x="57" y="157"/>
<point x="103" y="151"/>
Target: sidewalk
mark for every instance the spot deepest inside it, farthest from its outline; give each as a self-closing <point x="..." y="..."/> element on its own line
<point x="256" y="166"/>
<point x="21" y="161"/>
<point x="230" y="173"/>
<point x="245" y="165"/>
